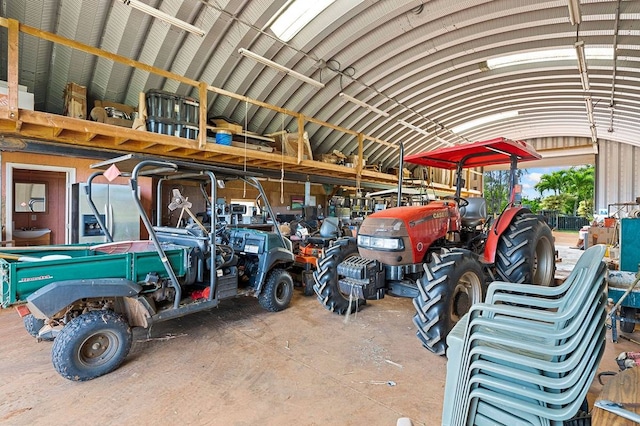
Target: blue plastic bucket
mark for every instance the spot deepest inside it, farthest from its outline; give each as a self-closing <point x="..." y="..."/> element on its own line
<point x="223" y="137"/>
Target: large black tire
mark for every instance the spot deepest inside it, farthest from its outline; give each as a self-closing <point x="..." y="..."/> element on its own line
<point x="628" y="314"/>
<point x="525" y="252"/>
<point x="277" y="292"/>
<point x="32" y="324"/>
<point x="91" y="345"/>
<point x="326" y="278"/>
<point x="452" y="282"/>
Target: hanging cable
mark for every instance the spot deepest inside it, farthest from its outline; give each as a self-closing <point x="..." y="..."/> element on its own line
<point x="246" y="126"/>
<point x="282" y="138"/>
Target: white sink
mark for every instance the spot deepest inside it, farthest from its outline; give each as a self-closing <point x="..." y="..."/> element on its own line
<point x="31" y="233"/>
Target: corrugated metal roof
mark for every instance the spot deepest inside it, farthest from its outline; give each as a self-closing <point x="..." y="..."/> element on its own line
<point x="423" y="62"/>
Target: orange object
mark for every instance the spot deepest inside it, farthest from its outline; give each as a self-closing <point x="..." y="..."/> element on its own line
<point x="609" y="222"/>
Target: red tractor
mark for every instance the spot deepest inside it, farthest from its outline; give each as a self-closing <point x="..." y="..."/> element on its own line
<point x="442" y="254"/>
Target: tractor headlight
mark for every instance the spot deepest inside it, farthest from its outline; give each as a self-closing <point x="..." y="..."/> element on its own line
<point x="379" y="243"/>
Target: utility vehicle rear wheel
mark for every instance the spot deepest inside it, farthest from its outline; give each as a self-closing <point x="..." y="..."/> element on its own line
<point x="326" y="277"/>
<point x="277" y="291"/>
<point x="525" y="252"/>
<point x="452" y="282"/>
<point x="91" y="345"/>
<point x="628" y="314"/>
<point x="32" y="324"/>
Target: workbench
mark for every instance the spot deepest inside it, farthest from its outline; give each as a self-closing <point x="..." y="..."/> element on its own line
<point x="622" y="388"/>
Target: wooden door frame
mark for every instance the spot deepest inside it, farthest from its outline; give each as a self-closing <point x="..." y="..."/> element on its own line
<point x="70" y="174"/>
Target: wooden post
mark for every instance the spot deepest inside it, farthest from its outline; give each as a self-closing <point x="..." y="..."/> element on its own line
<point x="202" y="132"/>
<point x="12" y="66"/>
<point x="300" y="137"/>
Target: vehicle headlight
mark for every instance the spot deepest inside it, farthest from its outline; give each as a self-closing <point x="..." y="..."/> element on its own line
<point x="380" y="243"/>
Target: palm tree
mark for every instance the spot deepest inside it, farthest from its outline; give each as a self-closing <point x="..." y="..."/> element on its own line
<point x="554" y="181"/>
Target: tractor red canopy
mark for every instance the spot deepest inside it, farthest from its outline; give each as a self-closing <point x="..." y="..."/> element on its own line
<point x="476" y="154"/>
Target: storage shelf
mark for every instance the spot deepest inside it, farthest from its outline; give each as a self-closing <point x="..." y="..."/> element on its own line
<point x="41" y="126"/>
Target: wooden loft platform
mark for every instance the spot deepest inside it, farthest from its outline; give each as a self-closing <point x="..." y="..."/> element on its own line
<point x="46" y="127"/>
<point x="18" y="126"/>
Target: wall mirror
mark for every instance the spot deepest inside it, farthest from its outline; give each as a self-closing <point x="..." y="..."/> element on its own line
<point x="30" y="197"/>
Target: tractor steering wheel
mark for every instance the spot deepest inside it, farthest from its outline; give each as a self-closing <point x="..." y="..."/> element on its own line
<point x="462" y="202"/>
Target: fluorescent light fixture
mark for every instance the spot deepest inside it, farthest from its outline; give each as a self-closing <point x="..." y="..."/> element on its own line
<point x="296" y="15"/>
<point x="484" y="120"/>
<point x="589" y="103"/>
<point x="171" y="20"/>
<point x="277" y="66"/>
<point x="564" y="54"/>
<point x="574" y="12"/>
<point x="363" y="104"/>
<point x="582" y="65"/>
<point x="414" y="128"/>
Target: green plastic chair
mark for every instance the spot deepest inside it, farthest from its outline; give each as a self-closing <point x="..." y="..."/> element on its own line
<point x="540" y="329"/>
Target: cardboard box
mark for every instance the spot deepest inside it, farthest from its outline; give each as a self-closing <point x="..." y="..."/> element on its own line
<point x="601" y="235"/>
<point x="75" y="101"/>
<point x="25" y="99"/>
<point x="100" y="113"/>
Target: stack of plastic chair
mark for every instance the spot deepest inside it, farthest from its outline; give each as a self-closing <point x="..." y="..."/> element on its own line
<point x="528" y="355"/>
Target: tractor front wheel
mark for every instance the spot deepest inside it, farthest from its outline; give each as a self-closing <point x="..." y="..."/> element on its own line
<point x="91" y="345"/>
<point x="452" y="282"/>
<point x="326" y="278"/>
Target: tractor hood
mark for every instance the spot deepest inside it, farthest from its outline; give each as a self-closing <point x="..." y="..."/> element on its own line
<point x="402" y="235"/>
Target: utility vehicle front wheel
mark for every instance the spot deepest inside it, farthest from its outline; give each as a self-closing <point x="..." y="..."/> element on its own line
<point x="91" y="345"/>
<point x="326" y="278"/>
<point x="277" y="292"/>
<point x="452" y="282"/>
<point x="525" y="252"/>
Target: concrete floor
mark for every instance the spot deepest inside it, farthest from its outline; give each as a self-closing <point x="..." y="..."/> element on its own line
<point x="240" y="365"/>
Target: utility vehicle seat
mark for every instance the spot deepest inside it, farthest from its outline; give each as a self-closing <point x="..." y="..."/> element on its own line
<point x="475" y="213"/>
<point x="329" y="231"/>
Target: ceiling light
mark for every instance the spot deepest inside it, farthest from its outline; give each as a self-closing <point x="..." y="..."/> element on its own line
<point x="296" y="15"/>
<point x="484" y="120"/>
<point x="589" y="103"/>
<point x="574" y="12"/>
<point x="582" y="65"/>
<point x="275" y="65"/>
<point x="564" y="54"/>
<point x="363" y="104"/>
<point x="412" y="127"/>
<point x="172" y="20"/>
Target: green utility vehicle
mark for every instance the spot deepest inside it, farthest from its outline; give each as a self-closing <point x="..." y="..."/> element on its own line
<point x="87" y="298"/>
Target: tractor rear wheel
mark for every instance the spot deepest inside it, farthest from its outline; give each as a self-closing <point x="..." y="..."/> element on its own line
<point x="326" y="278"/>
<point x="452" y="282"/>
<point x="525" y="252"/>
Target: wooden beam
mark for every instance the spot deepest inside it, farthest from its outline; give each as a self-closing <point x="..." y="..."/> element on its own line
<point x="12" y="74"/>
<point x="202" y="117"/>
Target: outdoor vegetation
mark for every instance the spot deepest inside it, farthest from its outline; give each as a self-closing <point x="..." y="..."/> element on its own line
<point x="570" y="191"/>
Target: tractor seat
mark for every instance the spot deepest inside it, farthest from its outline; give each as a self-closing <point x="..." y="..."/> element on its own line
<point x="475" y="213"/>
<point x="329" y="231"/>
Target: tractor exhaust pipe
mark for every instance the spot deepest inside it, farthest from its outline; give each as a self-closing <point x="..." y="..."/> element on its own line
<point x="400" y="173"/>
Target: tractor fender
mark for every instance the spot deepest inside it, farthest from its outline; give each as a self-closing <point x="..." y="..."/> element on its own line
<point x="268" y="260"/>
<point x="52" y="298"/>
<point x="500" y="225"/>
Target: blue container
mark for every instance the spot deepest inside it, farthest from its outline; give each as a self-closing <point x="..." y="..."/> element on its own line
<point x="223" y="137"/>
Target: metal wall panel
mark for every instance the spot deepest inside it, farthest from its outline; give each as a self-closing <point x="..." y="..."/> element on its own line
<point x="617" y="174"/>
